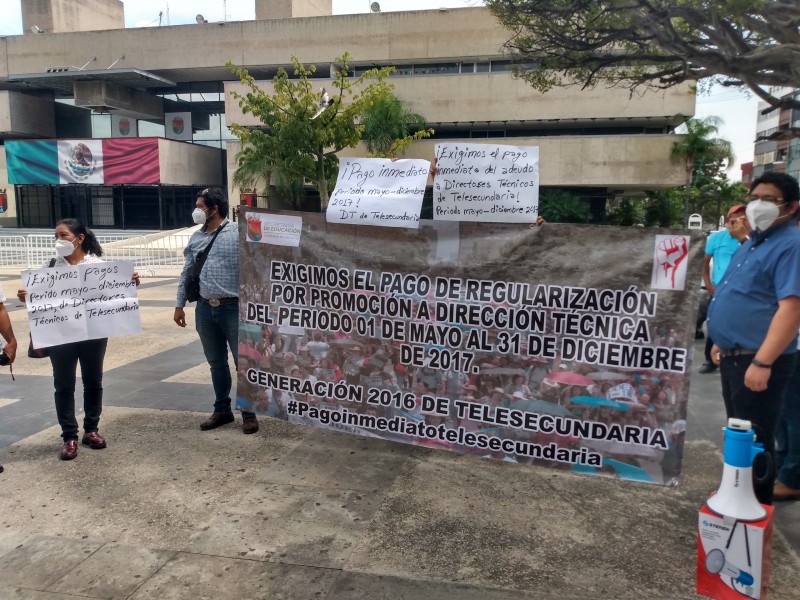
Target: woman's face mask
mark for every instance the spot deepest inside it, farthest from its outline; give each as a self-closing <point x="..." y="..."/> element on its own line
<point x="65" y="247"/>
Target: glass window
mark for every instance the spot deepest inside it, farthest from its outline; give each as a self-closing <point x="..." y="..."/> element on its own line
<point x="482" y="67"/>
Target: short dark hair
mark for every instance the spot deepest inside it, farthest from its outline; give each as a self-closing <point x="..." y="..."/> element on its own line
<point x="213" y="197"/>
<point x="785" y="183"/>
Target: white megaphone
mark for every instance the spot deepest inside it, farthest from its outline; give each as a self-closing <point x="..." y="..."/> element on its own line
<point x="735" y="497"/>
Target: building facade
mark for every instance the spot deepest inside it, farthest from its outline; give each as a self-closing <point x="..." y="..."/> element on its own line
<point x="77" y="76"/>
<point x="777" y="146"/>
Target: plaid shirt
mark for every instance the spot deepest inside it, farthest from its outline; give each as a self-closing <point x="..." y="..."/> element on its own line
<point x="220" y="275"/>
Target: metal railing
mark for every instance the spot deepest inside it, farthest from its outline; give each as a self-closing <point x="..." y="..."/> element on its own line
<point x="148" y="251"/>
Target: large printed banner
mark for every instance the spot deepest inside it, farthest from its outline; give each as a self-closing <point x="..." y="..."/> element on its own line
<point x="81" y="302"/>
<point x="563" y="345"/>
<point x="90" y="161"/>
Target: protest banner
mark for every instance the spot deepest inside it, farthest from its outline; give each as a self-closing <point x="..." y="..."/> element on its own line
<point x="486" y="182"/>
<point x="81" y="302"/>
<point x="379" y="191"/>
<point x="545" y="345"/>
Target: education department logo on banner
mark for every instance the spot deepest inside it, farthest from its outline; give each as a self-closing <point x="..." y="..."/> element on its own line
<point x="80" y="161"/>
<point x="177" y="125"/>
<point x="278" y="230"/>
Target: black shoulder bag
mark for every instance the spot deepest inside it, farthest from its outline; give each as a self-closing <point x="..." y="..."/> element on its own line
<point x="191" y="285"/>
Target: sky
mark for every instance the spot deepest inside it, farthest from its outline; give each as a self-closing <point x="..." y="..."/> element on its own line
<point x="738" y="110"/>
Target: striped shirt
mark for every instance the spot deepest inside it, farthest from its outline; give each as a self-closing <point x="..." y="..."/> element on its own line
<point x="220" y="275"/>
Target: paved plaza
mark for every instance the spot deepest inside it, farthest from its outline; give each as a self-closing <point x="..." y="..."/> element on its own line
<point x="170" y="512"/>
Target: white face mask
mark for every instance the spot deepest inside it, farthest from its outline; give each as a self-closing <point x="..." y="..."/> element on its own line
<point x="65" y="247"/>
<point x="762" y="214"/>
<point x="199" y="216"/>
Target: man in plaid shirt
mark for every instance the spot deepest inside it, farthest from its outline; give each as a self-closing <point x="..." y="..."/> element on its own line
<point x="217" y="313"/>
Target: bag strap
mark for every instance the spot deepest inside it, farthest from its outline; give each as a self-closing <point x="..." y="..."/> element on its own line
<point x="200" y="259"/>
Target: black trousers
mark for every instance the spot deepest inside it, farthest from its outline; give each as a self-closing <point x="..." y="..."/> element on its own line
<point x="762" y="409"/>
<point x="65" y="359"/>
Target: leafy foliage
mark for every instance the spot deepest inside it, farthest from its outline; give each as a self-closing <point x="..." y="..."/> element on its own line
<point x="629" y="212"/>
<point x="390" y="128"/>
<point x="752" y="44"/>
<point x="699" y="151"/>
<point x="290" y="141"/>
<point x="558" y="206"/>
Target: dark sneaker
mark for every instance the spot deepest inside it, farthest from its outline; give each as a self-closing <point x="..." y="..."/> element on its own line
<point x="249" y="424"/>
<point x="216" y="420"/>
<point x="708" y="367"/>
<point x="94" y="440"/>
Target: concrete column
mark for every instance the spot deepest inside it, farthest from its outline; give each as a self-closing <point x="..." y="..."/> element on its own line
<point x="60" y="16"/>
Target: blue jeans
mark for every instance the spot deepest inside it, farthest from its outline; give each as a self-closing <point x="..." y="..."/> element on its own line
<point x="762" y="409"/>
<point x="787" y="436"/>
<point x="65" y="359"/>
<point x="218" y="328"/>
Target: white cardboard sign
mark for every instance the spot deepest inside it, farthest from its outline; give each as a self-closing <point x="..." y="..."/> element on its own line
<point x="81" y="302"/>
<point x="486" y="182"/>
<point x="379" y="191"/>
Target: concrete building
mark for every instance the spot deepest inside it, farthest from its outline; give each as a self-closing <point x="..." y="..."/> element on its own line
<point x="77" y="83"/>
<point x="777" y="145"/>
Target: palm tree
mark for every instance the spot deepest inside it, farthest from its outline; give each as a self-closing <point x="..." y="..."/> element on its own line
<point x="389" y="127"/>
<point x="255" y="168"/>
<point x="699" y="148"/>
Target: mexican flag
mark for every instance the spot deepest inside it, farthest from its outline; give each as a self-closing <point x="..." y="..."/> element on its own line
<point x="105" y="161"/>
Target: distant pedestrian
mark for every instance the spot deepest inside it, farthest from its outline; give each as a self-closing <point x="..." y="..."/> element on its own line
<point x="754" y="316"/>
<point x="75" y="244"/>
<point x="720" y="247"/>
<point x="217" y="312"/>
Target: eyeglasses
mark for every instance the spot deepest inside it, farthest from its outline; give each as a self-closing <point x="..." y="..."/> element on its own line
<point x="773" y="199"/>
<point x="204" y="193"/>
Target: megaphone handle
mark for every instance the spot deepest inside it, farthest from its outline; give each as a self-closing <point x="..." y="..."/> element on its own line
<point x="768" y="462"/>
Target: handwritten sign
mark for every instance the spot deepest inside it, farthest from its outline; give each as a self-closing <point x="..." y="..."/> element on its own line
<point x="379" y="191"/>
<point x="82" y="302"/>
<point x="486" y="182"/>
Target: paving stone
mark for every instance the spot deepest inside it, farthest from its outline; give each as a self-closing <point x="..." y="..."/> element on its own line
<point x="114" y="571"/>
<point x="196" y="577"/>
<point x="307" y="543"/>
<point x="40" y="560"/>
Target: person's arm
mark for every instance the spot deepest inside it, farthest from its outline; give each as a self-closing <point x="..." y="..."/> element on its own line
<point x="180" y="316"/>
<point x="707" y="274"/>
<point x="8" y="334"/>
<point x="782" y="331"/>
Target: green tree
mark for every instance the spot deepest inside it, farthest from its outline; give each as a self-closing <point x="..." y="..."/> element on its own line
<point x="699" y="149"/>
<point x="558" y="206"/>
<point x="629" y="212"/>
<point x="291" y="141"/>
<point x="751" y="44"/>
<point x="664" y="208"/>
<point x="390" y="128"/>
